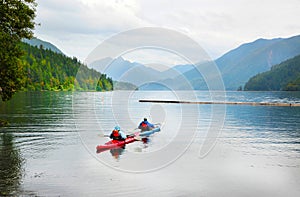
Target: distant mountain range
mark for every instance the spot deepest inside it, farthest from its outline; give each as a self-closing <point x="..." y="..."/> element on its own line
<point x="236" y="67"/>
<point x="138" y="74"/>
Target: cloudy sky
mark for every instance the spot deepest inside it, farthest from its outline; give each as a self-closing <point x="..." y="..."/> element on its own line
<point x="78" y="26"/>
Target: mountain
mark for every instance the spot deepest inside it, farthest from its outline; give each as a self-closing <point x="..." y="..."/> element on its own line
<point x="124" y="86"/>
<point x="176" y="71"/>
<point x="46" y="45"/>
<point x="48" y="70"/>
<point x="181" y="68"/>
<point x="284" y="76"/>
<point x="238" y="65"/>
<point x="135" y="73"/>
<point x="124" y="70"/>
<point x="249" y="59"/>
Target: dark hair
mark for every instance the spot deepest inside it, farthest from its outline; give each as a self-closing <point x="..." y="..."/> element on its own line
<point x="145" y="119"/>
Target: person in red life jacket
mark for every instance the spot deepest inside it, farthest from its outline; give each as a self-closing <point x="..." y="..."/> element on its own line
<point x="117" y="134"/>
<point x="145" y="125"/>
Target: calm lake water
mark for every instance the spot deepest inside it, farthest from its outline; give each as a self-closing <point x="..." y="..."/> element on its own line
<point x="49" y="148"/>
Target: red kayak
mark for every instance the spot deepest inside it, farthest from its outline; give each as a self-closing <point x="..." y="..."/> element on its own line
<point x="115" y="144"/>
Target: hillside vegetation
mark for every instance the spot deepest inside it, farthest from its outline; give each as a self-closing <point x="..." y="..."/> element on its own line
<point x="283" y="76"/>
<point x="48" y="70"/>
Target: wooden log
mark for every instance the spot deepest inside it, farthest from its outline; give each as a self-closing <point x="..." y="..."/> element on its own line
<point x="222" y="103"/>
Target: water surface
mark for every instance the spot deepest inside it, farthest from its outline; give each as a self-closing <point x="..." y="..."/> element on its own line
<point x="49" y="147"/>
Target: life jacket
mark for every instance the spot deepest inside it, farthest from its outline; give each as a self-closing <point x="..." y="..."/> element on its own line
<point x="115" y="135"/>
<point x="144" y="125"/>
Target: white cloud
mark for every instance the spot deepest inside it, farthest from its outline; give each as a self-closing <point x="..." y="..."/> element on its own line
<point x="221" y="25"/>
<point x="78" y="26"/>
<point x="88" y="17"/>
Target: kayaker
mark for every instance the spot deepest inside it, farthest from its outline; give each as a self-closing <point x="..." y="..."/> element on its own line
<point x="117" y="134"/>
<point x="145" y="125"/>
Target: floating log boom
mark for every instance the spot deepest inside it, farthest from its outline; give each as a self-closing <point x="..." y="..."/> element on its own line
<point x="223" y="103"/>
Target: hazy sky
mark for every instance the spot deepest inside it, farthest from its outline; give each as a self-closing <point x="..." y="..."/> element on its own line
<point x="78" y="26"/>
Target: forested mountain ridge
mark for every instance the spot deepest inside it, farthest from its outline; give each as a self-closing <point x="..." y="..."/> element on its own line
<point x="236" y="67"/>
<point x="283" y="76"/>
<point x="244" y="62"/>
<point x="48" y="70"/>
<point x="240" y="64"/>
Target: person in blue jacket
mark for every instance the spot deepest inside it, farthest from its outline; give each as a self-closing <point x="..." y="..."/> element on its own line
<point x="145" y="125"/>
<point x="117" y="134"/>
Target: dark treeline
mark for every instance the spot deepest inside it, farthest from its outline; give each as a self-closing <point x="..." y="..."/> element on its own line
<point x="48" y="70"/>
<point x="284" y="76"/>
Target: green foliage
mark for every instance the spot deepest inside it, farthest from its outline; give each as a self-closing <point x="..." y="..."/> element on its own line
<point x="293" y="85"/>
<point x="16" y="22"/>
<point x="284" y="76"/>
<point x="48" y="70"/>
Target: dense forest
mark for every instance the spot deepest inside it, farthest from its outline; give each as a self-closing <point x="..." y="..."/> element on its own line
<point x="48" y="70"/>
<point x="283" y="76"/>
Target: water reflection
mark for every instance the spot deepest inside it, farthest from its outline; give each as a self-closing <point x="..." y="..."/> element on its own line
<point x="116" y="152"/>
<point x="38" y="123"/>
<point x="11" y="164"/>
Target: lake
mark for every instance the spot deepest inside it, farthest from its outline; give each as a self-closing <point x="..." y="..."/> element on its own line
<point x="49" y="148"/>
